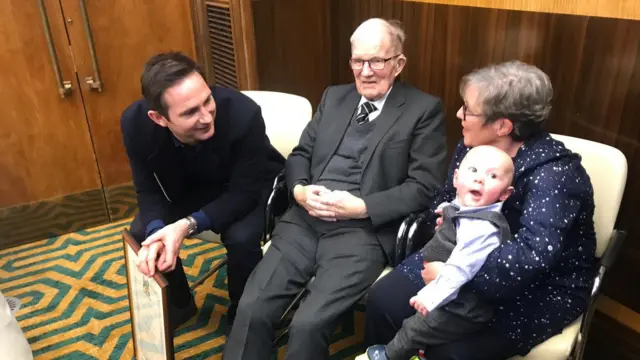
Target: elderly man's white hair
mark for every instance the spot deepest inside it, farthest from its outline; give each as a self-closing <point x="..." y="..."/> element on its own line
<point x="392" y="28"/>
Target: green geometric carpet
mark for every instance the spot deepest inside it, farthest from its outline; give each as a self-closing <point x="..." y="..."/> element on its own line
<point x="75" y="304"/>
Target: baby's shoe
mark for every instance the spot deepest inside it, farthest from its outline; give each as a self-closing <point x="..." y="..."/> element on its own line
<point x="377" y="352"/>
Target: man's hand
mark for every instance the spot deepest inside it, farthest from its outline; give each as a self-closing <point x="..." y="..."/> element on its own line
<point x="147" y="258"/>
<point x="418" y="305"/>
<point x="431" y="271"/>
<point x="171" y="236"/>
<point x="309" y="196"/>
<point x="345" y="205"/>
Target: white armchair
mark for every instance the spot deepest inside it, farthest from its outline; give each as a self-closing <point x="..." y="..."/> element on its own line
<point x="607" y="168"/>
<point x="285" y="116"/>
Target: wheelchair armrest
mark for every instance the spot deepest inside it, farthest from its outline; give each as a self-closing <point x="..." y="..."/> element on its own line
<point x="420" y="232"/>
<point x="607" y="260"/>
<point x="277" y="203"/>
<point x="615" y="244"/>
<point x="281" y="177"/>
<point x="401" y="238"/>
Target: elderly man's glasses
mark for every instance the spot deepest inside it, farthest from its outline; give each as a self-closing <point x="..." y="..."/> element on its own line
<point x="465" y="112"/>
<point x="374" y="63"/>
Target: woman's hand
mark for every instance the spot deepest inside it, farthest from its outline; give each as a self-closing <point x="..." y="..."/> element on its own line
<point x="439" y="219"/>
<point x="431" y="271"/>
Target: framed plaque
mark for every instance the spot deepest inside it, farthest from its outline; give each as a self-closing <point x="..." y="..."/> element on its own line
<point x="148" y="305"/>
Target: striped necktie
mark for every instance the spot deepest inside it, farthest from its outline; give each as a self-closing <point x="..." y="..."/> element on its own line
<point x="365" y="109"/>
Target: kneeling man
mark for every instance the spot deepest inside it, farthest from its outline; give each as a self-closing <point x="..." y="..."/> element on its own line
<point x="201" y="160"/>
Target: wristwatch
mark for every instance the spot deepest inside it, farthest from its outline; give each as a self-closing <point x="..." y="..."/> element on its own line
<point x="192" y="225"/>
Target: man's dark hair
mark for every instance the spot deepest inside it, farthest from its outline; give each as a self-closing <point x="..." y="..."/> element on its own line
<point x="161" y="72"/>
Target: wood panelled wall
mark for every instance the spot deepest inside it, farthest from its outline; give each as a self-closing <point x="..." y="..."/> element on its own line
<point x="594" y="64"/>
<point x="620" y="9"/>
<point x="293" y="46"/>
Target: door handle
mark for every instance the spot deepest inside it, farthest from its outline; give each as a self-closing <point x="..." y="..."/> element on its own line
<point x="64" y="87"/>
<point x="94" y="82"/>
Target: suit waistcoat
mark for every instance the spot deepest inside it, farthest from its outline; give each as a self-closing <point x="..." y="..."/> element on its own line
<point x="344" y="170"/>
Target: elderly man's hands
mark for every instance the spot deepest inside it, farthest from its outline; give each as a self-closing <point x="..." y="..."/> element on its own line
<point x="309" y="197"/>
<point x="329" y="205"/>
<point x="344" y="205"/>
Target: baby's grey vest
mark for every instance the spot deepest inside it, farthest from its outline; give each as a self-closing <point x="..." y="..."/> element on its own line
<point x="444" y="240"/>
<point x="467" y="304"/>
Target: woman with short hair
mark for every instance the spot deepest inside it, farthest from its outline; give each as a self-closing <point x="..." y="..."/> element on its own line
<point x="539" y="281"/>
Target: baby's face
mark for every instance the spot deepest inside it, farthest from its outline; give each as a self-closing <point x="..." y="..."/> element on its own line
<point x="483" y="179"/>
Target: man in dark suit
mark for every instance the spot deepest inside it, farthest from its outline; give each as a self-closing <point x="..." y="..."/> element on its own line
<point x="201" y="161"/>
<point x="373" y="153"/>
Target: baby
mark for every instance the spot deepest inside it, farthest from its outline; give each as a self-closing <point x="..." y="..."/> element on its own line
<point x="472" y="227"/>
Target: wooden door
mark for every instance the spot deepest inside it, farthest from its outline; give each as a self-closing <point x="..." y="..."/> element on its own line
<point x="47" y="166"/>
<point x="126" y="33"/>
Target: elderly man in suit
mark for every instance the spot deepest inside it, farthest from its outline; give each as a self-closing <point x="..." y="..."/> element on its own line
<point x="201" y="160"/>
<point x="373" y="153"/>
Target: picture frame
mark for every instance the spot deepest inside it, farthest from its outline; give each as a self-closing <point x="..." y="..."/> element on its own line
<point x="148" y="305"/>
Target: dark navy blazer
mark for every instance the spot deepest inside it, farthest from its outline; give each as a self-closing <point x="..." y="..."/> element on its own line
<point x="222" y="178"/>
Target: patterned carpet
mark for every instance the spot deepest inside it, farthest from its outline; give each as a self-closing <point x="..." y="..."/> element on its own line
<point x="75" y="306"/>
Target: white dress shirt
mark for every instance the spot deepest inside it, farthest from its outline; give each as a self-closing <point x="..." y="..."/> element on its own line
<point x="378" y="103"/>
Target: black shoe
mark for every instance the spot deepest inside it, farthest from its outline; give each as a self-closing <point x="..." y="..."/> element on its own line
<point x="179" y="316"/>
<point x="377" y="352"/>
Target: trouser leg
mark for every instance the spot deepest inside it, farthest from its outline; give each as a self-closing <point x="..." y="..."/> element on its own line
<point x="242" y="241"/>
<point x="349" y="260"/>
<point x="388" y="306"/>
<point x="283" y="272"/>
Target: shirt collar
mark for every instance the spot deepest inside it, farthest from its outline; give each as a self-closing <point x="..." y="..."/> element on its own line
<point x="497" y="207"/>
<point x="179" y="144"/>
<point x="378" y="103"/>
<point x="176" y="142"/>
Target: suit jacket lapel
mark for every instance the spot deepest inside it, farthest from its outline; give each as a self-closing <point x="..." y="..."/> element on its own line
<point x="390" y="113"/>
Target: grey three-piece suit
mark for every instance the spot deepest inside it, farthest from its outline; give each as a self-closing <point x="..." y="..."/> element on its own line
<point x="398" y="162"/>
